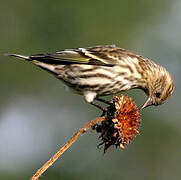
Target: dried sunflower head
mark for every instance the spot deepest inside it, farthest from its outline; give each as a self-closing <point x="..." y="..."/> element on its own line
<point x="122" y="123"/>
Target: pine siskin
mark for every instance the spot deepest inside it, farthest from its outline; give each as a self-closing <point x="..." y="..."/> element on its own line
<point x="104" y="70"/>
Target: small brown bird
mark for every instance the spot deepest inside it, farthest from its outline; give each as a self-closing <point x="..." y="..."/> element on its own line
<point x="104" y="70"/>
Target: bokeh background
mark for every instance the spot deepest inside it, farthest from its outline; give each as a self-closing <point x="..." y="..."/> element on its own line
<point x="37" y="115"/>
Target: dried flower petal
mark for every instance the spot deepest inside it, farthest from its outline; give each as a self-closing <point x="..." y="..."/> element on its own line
<point x="128" y="118"/>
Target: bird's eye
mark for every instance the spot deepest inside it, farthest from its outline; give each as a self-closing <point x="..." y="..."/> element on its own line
<point x="158" y="94"/>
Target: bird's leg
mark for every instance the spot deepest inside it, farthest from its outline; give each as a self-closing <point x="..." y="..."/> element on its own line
<point x="100" y="107"/>
<point x="104" y="101"/>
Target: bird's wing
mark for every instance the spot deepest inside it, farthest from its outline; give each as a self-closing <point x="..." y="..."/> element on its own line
<point x="98" y="55"/>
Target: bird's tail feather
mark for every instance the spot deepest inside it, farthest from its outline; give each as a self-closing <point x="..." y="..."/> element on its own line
<point x="40" y="63"/>
<point x="18" y="56"/>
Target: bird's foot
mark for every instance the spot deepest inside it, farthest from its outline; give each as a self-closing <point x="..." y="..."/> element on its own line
<point x="103" y="109"/>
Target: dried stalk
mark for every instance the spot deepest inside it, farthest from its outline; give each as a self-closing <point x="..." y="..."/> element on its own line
<point x="65" y="147"/>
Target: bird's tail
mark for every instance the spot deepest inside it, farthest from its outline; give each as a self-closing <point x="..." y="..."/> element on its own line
<point x="37" y="60"/>
<point x="18" y="56"/>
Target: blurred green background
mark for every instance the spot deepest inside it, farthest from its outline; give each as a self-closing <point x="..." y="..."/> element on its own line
<point x="37" y="115"/>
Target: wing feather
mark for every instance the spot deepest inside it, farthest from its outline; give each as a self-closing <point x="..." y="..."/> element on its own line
<point x="108" y="55"/>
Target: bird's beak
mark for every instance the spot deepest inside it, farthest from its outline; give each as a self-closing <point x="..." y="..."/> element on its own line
<point x="147" y="103"/>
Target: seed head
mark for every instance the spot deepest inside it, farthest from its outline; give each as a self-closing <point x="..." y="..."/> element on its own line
<point x="122" y="123"/>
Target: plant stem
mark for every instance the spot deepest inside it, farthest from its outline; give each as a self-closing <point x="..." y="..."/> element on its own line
<point x="65" y="147"/>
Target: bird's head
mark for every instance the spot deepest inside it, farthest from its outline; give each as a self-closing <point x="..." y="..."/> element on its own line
<point x="159" y="88"/>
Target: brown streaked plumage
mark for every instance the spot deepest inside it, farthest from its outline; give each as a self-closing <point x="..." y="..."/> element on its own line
<point x="103" y="70"/>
